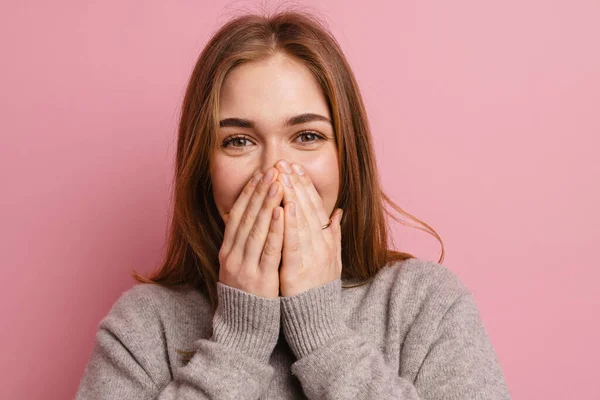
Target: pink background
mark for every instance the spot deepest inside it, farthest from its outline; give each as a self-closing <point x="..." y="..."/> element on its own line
<point x="486" y="119"/>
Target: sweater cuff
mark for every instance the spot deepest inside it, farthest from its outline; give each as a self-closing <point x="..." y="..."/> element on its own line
<point x="313" y="317"/>
<point x="246" y="322"/>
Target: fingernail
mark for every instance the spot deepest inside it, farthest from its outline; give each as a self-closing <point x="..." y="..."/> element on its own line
<point x="269" y="176"/>
<point x="286" y="180"/>
<point x="298" y="169"/>
<point x="273" y="189"/>
<point x="286" y="167"/>
<point x="256" y="178"/>
<point x="292" y="209"/>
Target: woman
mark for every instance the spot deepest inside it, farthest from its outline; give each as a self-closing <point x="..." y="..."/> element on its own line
<point x="269" y="290"/>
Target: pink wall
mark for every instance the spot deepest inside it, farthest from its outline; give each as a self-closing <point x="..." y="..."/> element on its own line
<point x="486" y="121"/>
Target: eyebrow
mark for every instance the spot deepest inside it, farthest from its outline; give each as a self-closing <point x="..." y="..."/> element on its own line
<point x="295" y="120"/>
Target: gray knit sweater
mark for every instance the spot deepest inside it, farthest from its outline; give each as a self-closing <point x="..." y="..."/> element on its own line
<point x="414" y="332"/>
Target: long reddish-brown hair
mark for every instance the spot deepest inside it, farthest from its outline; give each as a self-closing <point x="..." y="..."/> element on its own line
<point x="196" y="228"/>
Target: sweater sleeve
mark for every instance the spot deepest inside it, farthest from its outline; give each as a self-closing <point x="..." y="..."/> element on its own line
<point x="336" y="363"/>
<point x="232" y="364"/>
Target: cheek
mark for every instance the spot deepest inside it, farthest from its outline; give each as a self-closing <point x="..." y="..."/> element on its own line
<point x="325" y="178"/>
<point x="226" y="186"/>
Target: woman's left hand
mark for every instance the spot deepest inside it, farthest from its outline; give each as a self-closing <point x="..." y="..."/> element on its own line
<point x="311" y="256"/>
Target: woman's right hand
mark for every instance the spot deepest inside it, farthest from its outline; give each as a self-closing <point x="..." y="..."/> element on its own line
<point x="251" y="251"/>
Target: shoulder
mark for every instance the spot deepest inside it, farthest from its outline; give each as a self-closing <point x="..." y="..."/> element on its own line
<point x="411" y="288"/>
<point x="420" y="290"/>
<point x="145" y="311"/>
<point x="423" y="279"/>
<point x="148" y="323"/>
<point x="151" y="302"/>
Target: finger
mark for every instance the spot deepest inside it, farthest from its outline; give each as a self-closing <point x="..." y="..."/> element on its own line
<point x="305" y="232"/>
<point x="233" y="217"/>
<point x="284" y="177"/>
<point x="336" y="230"/>
<point x="321" y="239"/>
<point x="312" y="193"/>
<point x="310" y="200"/>
<point x="291" y="239"/>
<point x="336" y="225"/>
<point x="247" y="220"/>
<point x="310" y="227"/>
<point x="258" y="233"/>
<point x="271" y="252"/>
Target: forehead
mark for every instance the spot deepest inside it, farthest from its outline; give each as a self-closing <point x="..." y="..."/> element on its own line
<point x="270" y="90"/>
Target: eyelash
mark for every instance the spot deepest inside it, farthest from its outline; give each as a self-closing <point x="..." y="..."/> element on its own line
<point x="229" y="139"/>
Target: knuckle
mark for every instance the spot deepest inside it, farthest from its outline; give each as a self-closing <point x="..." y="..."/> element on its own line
<point x="248" y="190"/>
<point x="306" y="179"/>
<point x="261" y="189"/>
<point x="234" y="214"/>
<point x="302" y="225"/>
<point x="228" y="262"/>
<point x="295" y="246"/>
<point x="254" y="233"/>
<point x="222" y="256"/>
<point x="245" y="221"/>
<point x="295" y="178"/>
<point x="269" y="250"/>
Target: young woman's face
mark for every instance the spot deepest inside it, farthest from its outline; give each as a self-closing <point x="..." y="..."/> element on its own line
<point x="257" y="101"/>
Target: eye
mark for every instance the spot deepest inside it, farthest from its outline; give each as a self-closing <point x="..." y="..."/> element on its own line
<point x="309" y="137"/>
<point x="236" y="141"/>
<point x="239" y="142"/>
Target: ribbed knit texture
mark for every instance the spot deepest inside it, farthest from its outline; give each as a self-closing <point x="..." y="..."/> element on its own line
<point x="245" y="322"/>
<point x="412" y="333"/>
<point x="312" y="318"/>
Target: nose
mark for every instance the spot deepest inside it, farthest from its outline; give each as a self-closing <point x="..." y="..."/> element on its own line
<point x="271" y="154"/>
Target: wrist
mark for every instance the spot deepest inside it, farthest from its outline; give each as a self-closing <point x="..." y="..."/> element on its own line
<point x="312" y="318"/>
<point x="246" y="322"/>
